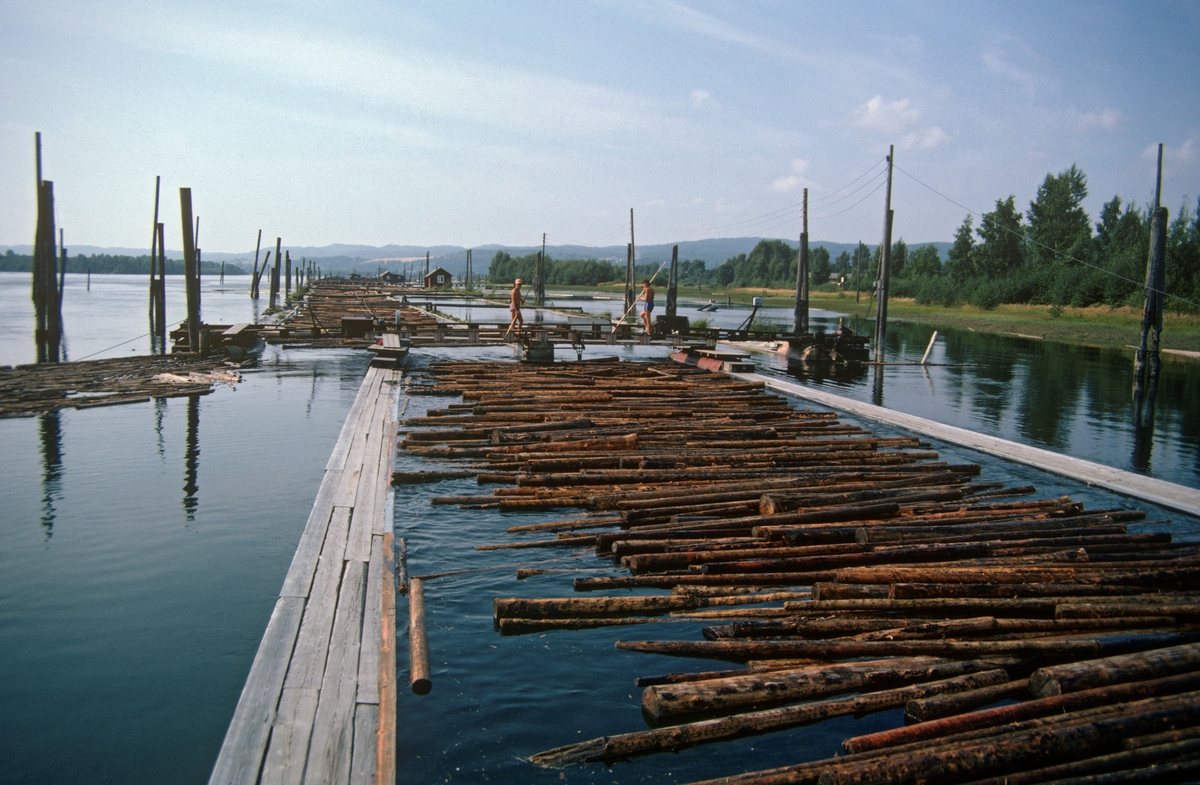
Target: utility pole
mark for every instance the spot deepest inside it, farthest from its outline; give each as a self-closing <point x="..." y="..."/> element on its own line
<point x="885" y="253"/>
<point x="800" y="317"/>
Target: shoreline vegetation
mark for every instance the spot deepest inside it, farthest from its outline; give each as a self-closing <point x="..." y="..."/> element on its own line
<point x="1096" y="325"/>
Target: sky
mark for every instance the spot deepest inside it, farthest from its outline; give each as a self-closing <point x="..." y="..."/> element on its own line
<point x="468" y="123"/>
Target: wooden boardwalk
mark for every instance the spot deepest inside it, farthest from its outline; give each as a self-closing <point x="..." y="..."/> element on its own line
<point x="319" y="704"/>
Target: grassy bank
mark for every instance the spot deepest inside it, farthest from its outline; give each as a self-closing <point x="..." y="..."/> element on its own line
<point x="1095" y="326"/>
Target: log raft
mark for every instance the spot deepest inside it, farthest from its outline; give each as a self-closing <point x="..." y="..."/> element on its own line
<point x="1023" y="637"/>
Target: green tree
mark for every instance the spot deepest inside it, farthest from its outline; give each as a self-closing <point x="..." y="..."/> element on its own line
<point x="924" y="262"/>
<point x="1001" y="236"/>
<point x="819" y="268"/>
<point x="1060" y="231"/>
<point x="1121" y="243"/>
<point x="898" y="259"/>
<point x="843" y="265"/>
<point x="958" y="260"/>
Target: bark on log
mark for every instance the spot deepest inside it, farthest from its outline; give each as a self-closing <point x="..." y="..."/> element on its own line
<point x="1077" y="676"/>
<point x="938" y="706"/>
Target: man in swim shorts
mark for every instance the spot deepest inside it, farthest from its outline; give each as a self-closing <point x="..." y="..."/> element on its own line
<point x="647" y="298"/>
<point x="514" y="307"/>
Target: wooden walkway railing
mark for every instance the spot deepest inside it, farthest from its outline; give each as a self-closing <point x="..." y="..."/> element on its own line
<point x="319" y="704"/>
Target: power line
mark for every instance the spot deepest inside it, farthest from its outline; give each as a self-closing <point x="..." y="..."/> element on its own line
<point x="871" y="193"/>
<point x="832" y="194"/>
<point x="1024" y="236"/>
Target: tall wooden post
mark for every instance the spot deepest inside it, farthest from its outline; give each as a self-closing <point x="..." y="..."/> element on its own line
<point x="160" y="316"/>
<point x="57" y="326"/>
<point x="287" y="291"/>
<point x="199" y="263"/>
<point x="426" y="267"/>
<point x="673" y="282"/>
<point x="189" y="270"/>
<point x="275" y="275"/>
<point x="154" y="256"/>
<point x="222" y="273"/>
<point x="800" y="317"/>
<point x="539" y="280"/>
<point x="254" y="277"/>
<point x="45" y="289"/>
<point x="885" y="254"/>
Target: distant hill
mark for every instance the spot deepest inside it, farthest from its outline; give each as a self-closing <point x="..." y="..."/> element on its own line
<point x="368" y="260"/>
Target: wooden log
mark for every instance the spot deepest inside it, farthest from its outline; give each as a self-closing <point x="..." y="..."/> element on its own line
<point x="573" y="607"/>
<point x="1077" y="676"/>
<point x="1131" y="607"/>
<point x="1172" y="762"/>
<point x="517" y="626"/>
<point x="418" y="644"/>
<point x="610" y="748"/>
<point x="938" y="706"/>
<point x="917" y="553"/>
<point x="1090" y="646"/>
<point x="852" y="591"/>
<point x="1011" y="753"/>
<point x="915" y="591"/>
<point x="1169" y="578"/>
<point x="737" y="693"/>
<point x="1054" y="706"/>
<point x="671" y="580"/>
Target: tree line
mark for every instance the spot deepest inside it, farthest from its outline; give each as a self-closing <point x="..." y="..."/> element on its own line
<point x="1050" y="254"/>
<point x="12" y="262"/>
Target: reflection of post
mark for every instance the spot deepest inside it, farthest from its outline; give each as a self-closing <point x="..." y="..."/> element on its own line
<point x="877" y="390"/>
<point x="1143" y="440"/>
<point x="51" y="467"/>
<point x="1146" y="361"/>
<point x="191" y="459"/>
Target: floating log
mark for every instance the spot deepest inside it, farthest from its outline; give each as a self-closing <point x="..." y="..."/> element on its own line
<point x="1054" y="706"/>
<point x="938" y="706"/>
<point x="418" y="644"/>
<point x="1059" y="648"/>
<point x="610" y="748"/>
<point x="1077" y="676"/>
<point x="734" y="693"/>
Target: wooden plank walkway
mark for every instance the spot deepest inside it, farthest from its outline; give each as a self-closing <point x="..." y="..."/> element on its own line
<point x="319" y="704"/>
<point x="1167" y="494"/>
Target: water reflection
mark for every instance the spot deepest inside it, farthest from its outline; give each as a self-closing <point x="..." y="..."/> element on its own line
<point x="160" y="408"/>
<point x="51" y="433"/>
<point x="191" y="459"/>
<point x="823" y="372"/>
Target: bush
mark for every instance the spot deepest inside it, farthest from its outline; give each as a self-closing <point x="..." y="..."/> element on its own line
<point x="936" y="291"/>
<point x="987" y="295"/>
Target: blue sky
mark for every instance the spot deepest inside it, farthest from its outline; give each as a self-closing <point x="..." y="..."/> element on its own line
<point x="493" y="122"/>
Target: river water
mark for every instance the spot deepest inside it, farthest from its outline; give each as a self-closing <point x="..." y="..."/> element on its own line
<point x="142" y="548"/>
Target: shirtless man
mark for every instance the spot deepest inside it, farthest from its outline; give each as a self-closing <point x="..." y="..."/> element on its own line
<point x="647" y="296"/>
<point x="514" y="307"/>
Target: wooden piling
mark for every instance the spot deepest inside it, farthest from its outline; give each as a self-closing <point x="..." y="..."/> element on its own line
<point x="189" y="270"/>
<point x="418" y="643"/>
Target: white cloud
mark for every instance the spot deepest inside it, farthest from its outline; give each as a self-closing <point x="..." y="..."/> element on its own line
<point x="783" y="185"/>
<point x="1001" y="58"/>
<point x="699" y="98"/>
<point x="1106" y="119"/>
<point x="889" y="117"/>
<point x="795" y="180"/>
<point x="924" y="139"/>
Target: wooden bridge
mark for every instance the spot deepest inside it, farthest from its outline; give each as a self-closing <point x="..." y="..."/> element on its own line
<point x="319" y="704"/>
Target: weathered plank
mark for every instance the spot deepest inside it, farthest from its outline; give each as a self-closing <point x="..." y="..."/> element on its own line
<point x="386" y="744"/>
<point x="307" y="667"/>
<point x="366" y="395"/>
<point x="288" y="750"/>
<point x="304" y="561"/>
<point x="363" y="761"/>
<point x="368" y="656"/>
<point x="333" y="727"/>
<point x="246" y="740"/>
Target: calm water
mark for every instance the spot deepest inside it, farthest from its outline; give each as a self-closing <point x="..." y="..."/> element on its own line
<point x="142" y="548"/>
